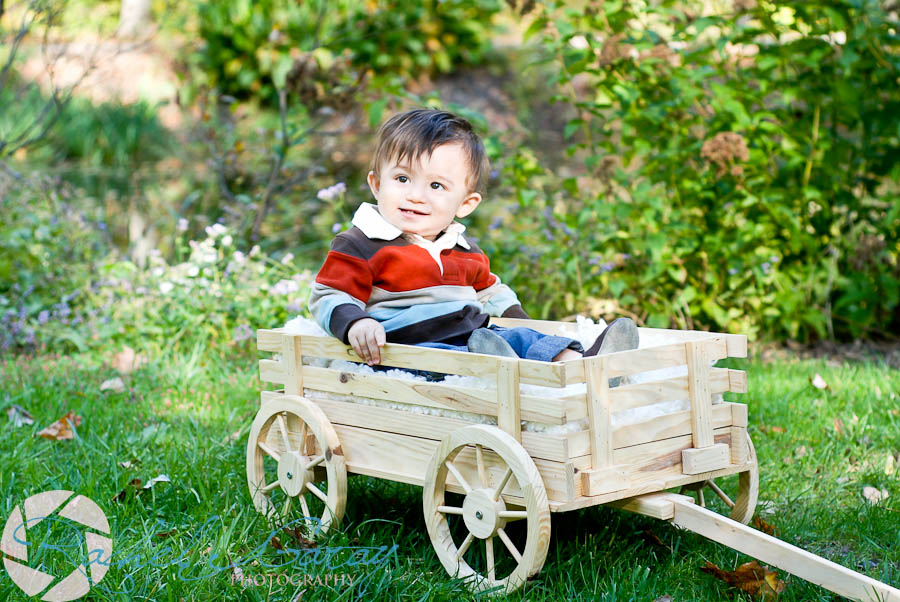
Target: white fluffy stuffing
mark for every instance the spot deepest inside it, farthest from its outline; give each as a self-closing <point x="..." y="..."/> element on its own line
<point x="583" y="329"/>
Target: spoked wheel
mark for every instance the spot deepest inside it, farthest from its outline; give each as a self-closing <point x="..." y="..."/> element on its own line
<point x="743" y="486"/>
<point x="295" y="466"/>
<point x="502" y="498"/>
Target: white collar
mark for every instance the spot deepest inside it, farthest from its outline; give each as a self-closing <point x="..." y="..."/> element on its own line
<point x="368" y="219"/>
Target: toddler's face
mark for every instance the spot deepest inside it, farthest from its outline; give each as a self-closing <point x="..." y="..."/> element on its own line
<point x="424" y="197"/>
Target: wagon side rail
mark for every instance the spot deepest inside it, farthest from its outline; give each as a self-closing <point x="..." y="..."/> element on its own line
<point x="681" y="511"/>
<point x="506" y="403"/>
<point x="697" y="353"/>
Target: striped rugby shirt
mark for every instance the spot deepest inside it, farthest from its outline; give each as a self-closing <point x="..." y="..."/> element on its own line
<point x="419" y="290"/>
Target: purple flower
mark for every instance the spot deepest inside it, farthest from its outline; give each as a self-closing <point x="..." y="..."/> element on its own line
<point x="493" y="175"/>
<point x="609" y="266"/>
<point x="732" y="271"/>
<point x="101" y="225"/>
<point x="294" y="307"/>
<point x="336" y="227"/>
<point x="43" y="317"/>
<point x="774" y="258"/>
<point x="285" y="287"/>
<point x="331" y="192"/>
<point x="766" y="266"/>
<point x="242" y="333"/>
<point x="498" y="221"/>
<point x="568" y="230"/>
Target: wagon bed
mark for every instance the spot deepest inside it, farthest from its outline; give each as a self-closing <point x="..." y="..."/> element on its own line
<point x="433" y="434"/>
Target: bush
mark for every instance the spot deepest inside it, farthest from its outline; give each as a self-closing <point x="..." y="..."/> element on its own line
<point x="63" y="287"/>
<point x="739" y="170"/>
<point x="248" y="45"/>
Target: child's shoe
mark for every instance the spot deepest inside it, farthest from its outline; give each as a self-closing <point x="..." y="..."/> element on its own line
<point x="620" y="335"/>
<point x="488" y="342"/>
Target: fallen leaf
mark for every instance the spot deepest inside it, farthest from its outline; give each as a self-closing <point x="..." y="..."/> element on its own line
<point x="889" y="465"/>
<point x="167" y="533"/>
<point x="126" y="361"/>
<point x="750" y="577"/>
<point x="778" y="429"/>
<point x="664" y="599"/>
<point x="801" y="451"/>
<point x="133" y="485"/>
<point x="19" y="416"/>
<point x="763" y="526"/>
<point x="839" y="426"/>
<point x="874" y="495"/>
<point x="62" y="428"/>
<point x="818" y="382"/>
<point x="114" y="384"/>
<point x="276" y="543"/>
<point x="159" y="479"/>
<point x="654" y="539"/>
<point x="297" y="536"/>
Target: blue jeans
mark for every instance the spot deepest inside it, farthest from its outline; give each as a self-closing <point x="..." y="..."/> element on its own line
<point x="527" y="343"/>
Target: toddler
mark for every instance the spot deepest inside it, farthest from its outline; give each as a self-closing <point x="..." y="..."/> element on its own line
<point x="406" y="273"/>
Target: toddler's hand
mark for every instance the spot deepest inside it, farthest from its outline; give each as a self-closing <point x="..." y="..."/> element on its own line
<point x="367" y="337"/>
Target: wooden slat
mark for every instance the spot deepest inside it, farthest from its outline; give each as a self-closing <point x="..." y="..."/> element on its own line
<point x="435" y="395"/>
<point x="271" y="371"/>
<point x="666" y="426"/>
<point x="652" y="467"/>
<point x="410" y="357"/>
<point x="700" y="396"/>
<point x="291" y="365"/>
<point x="508" y="403"/>
<point x="599" y="412"/>
<point x="269" y="339"/>
<point x="538" y="445"/>
<point x="405" y="459"/>
<point x="737" y="381"/>
<point x="628" y="397"/>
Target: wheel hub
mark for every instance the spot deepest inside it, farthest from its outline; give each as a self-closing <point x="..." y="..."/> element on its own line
<point x="482" y="514"/>
<point x="292" y="473"/>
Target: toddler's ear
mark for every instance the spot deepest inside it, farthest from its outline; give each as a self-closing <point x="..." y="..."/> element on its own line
<point x="374" y="183"/>
<point x="469" y="204"/>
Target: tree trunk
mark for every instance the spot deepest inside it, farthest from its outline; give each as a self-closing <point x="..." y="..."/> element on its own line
<point x="134" y="18"/>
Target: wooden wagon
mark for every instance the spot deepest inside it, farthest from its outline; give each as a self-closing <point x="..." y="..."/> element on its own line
<point x="487" y="482"/>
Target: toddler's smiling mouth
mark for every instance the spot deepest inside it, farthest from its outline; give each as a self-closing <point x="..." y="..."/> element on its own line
<point x="412" y="212"/>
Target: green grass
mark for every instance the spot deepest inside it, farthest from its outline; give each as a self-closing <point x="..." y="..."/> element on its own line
<point x="180" y="419"/>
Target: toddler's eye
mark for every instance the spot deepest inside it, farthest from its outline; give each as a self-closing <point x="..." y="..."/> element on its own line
<point x="402" y="179"/>
<point x="436" y="185"/>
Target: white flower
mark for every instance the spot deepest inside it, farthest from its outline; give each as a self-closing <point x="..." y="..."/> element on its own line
<point x="254" y="251"/>
<point x="216" y="230"/>
<point x="182" y="224"/>
<point x="285" y="287"/>
<point x="227" y="240"/>
<point x="166" y="287"/>
<point x="192" y="270"/>
<point x="158" y="272"/>
<point x="239" y="257"/>
<point x="287" y="259"/>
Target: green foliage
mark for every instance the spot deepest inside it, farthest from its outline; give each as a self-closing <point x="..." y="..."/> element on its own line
<point x="248" y="46"/>
<point x="739" y="169"/>
<point x="63" y="286"/>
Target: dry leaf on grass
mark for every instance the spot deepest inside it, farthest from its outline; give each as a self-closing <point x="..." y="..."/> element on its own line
<point x="839" y="426"/>
<point x="276" y="543"/>
<point x="297" y="536"/>
<point x="763" y="526"/>
<point x="19" y="416"/>
<point x="158" y="479"/>
<point x="654" y="539"/>
<point x="818" y="382"/>
<point x="114" y="384"/>
<point x="664" y="599"/>
<point x="126" y="361"/>
<point x="874" y="495"/>
<point x="133" y="485"/>
<point x="62" y="429"/>
<point x="750" y="577"/>
<point x="165" y="534"/>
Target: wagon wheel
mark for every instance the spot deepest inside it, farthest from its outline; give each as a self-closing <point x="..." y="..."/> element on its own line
<point x="744" y="504"/>
<point x="295" y="466"/>
<point x="497" y="465"/>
